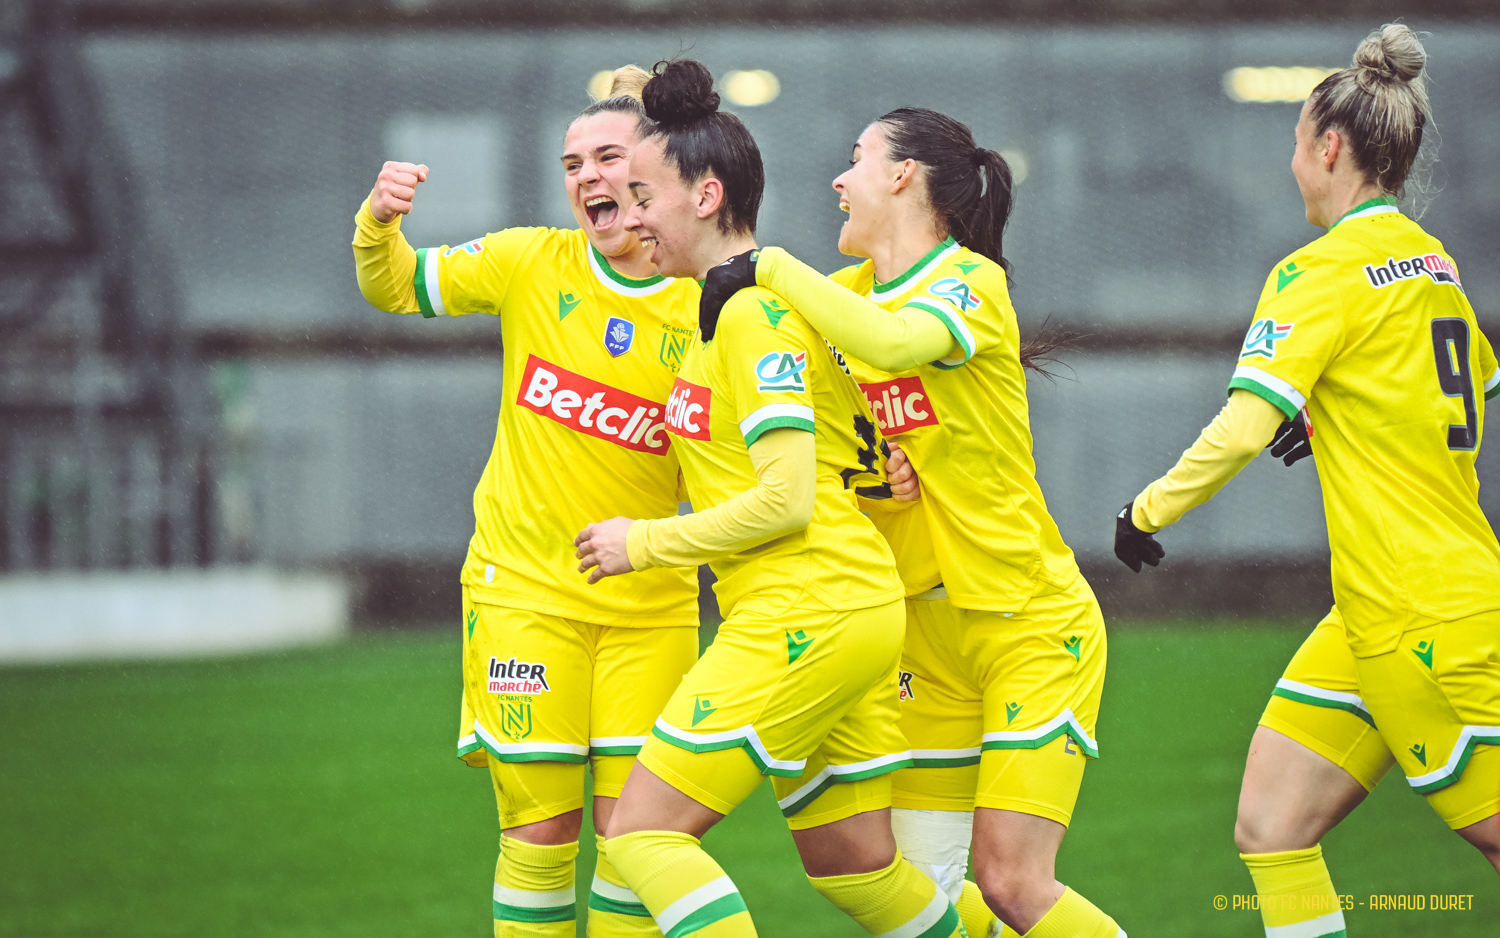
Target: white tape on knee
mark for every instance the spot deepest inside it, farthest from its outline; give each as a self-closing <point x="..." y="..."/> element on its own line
<point x="937" y="843"/>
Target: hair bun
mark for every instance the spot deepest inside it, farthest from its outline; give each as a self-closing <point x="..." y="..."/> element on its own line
<point x="628" y="82"/>
<point x="680" y="91"/>
<point x="1392" y="52"/>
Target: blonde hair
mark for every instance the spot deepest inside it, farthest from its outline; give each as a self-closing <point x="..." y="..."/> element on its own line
<point x="1379" y="104"/>
<point x="629" y="82"/>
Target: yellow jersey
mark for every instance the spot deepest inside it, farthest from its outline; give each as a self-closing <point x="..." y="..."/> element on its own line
<point x="981" y="528"/>
<point x="766" y="368"/>
<point x="590" y="356"/>
<point x="1368" y="329"/>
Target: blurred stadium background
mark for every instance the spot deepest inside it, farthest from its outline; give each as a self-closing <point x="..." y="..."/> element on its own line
<point x="190" y="380"/>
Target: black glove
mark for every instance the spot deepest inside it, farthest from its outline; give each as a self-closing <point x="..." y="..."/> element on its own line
<point x="1290" y="442"/>
<point x="1134" y="546"/>
<point x="722" y="282"/>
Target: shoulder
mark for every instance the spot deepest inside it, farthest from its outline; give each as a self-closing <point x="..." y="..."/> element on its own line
<point x="757" y="309"/>
<point x="967" y="282"/>
<point x="856" y="277"/>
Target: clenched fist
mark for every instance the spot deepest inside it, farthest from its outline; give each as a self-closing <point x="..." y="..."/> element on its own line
<point x="395" y="187"/>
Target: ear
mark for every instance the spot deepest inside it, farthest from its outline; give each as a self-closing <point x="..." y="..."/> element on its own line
<point x="710" y="196"/>
<point x="906" y="172"/>
<point x="1332" y="144"/>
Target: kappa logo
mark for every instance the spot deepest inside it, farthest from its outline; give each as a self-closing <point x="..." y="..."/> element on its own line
<point x="688" y="410"/>
<point x="899" y="404"/>
<point x="1439" y="268"/>
<point x="517" y="677"/>
<point x="1262" y="338"/>
<point x="781" y="371"/>
<point x="955" y="291"/>
<point x="619" y="336"/>
<point x="904" y="679"/>
<point x="592" y="407"/>
<point x="472" y="247"/>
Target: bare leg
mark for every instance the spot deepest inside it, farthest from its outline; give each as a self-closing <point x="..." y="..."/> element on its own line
<point x="649" y="804"/>
<point x="1485" y="835"/>
<point x="1015" y="857"/>
<point x="562" y="829"/>
<point x="859" y="844"/>
<point x="1291" y="796"/>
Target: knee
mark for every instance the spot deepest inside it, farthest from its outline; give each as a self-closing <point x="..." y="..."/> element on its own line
<point x="1009" y="893"/>
<point x="1256" y="833"/>
<point x="562" y="829"/>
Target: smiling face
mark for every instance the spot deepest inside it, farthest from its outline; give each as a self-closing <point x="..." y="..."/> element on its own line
<point x="665" y="215"/>
<point x="865" y="193"/>
<point x="596" y="164"/>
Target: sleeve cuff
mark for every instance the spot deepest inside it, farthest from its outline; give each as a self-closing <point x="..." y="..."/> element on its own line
<point x="765" y="265"/>
<point x="1278" y="391"/>
<point x="1492" y="385"/>
<point x="1138" y="515"/>
<point x="772" y="416"/>
<point x="956" y="328"/>
<point x="635" y="545"/>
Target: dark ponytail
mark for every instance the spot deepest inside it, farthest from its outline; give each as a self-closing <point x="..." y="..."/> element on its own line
<point x="969" y="186"/>
<point x="970" y="189"/>
<point x="702" y="140"/>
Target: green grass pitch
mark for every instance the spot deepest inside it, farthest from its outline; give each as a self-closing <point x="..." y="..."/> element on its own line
<point x="315" y="793"/>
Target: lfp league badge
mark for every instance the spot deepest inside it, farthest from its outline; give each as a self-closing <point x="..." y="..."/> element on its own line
<point x="619" y="335"/>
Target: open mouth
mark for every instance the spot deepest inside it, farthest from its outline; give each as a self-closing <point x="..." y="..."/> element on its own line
<point x="602" y="211"/>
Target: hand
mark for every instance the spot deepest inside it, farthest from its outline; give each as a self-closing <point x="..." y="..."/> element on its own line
<point x="1291" y="441"/>
<point x="602" y="546"/>
<point x="905" y="486"/>
<point x="722" y="282"/>
<point x="1134" y="546"/>
<point x="395" y="187"/>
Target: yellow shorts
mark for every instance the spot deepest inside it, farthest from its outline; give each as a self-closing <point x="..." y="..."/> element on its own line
<point x="807" y="698"/>
<point x="544" y="695"/>
<point x="1432" y="705"/>
<point x="999" y="708"/>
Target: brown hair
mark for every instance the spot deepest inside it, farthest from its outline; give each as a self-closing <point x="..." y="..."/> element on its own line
<point x="1379" y="105"/>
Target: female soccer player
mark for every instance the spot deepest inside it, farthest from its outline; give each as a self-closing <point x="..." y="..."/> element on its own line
<point x="1005" y="651"/>
<point x="557" y="674"/>
<point x="800" y="683"/>
<point x="1365" y="333"/>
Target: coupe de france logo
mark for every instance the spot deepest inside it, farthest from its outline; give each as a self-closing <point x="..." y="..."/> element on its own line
<point x="781" y="371"/>
<point x="1262" y="338"/>
<point x="619" y="335"/>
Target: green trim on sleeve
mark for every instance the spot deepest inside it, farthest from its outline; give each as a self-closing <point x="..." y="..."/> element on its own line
<point x="774" y="423"/>
<point x="420" y="282"/>
<point x="1277" y="390"/>
<point x="956" y="327"/>
<point x="1492" y="385"/>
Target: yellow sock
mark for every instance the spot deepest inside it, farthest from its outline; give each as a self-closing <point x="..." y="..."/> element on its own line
<point x="1073" y="916"/>
<point x="680" y="884"/>
<point x="615" y="911"/>
<point x="898" y="899"/>
<point x="534" y="890"/>
<point x="1296" y="894"/>
<point x="977" y="918"/>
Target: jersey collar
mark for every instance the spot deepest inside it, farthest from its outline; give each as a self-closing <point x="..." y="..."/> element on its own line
<point x="1376" y="206"/>
<point x="620" y="283"/>
<point x="916" y="274"/>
